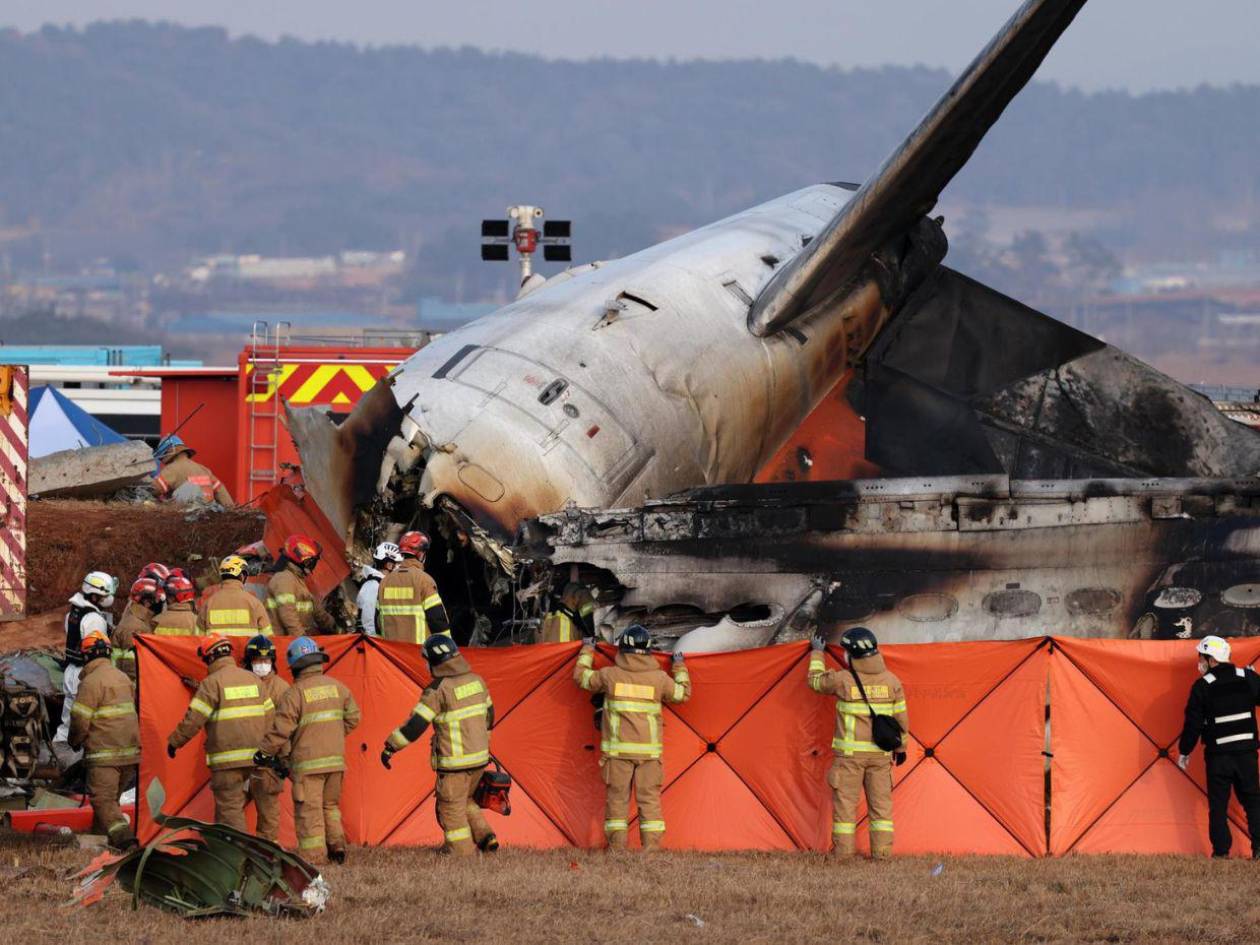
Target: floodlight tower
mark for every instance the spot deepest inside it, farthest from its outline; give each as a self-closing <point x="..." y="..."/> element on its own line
<point x="498" y="235"/>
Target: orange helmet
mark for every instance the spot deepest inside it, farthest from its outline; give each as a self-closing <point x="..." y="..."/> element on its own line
<point x="155" y="570"/>
<point x="179" y="589"/>
<point x="95" y="645"/>
<point x="148" y="592"/>
<point x="413" y="544"/>
<point x="213" y="646"/>
<point x="302" y="551"/>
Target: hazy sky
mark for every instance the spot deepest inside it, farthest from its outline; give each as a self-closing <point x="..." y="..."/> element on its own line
<point x="1135" y="44"/>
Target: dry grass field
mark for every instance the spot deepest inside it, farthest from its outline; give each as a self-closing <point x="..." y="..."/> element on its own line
<point x="386" y="896"/>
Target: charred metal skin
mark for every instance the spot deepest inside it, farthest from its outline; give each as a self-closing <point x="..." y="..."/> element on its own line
<point x="922" y="560"/>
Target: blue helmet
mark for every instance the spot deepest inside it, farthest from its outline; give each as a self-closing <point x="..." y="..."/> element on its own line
<point x="169" y="446"/>
<point x="302" y="652"/>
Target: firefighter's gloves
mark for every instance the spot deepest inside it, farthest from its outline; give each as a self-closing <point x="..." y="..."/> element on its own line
<point x="170" y="751"/>
<point x="899" y="758"/>
<point x="1183" y="762"/>
<point x="818" y="643"/>
<point x="386" y="754"/>
<point x="271" y="763"/>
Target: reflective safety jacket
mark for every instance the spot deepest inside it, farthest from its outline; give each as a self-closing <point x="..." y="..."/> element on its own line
<point x="458" y="705"/>
<point x="103" y="718"/>
<point x="634" y="688"/>
<point x="1222" y="711"/>
<point x="572" y="619"/>
<point x="177" y="620"/>
<point x="408" y="604"/>
<point x="184" y="470"/>
<point x="82" y="618"/>
<point x="853" y="718"/>
<point x="232" y="707"/>
<point x="311" y="723"/>
<point x="234" y="612"/>
<point x="294" y="610"/>
<point x="273" y="686"/>
<point x="137" y="618"/>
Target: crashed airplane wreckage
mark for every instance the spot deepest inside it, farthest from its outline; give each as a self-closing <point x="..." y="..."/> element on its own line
<point x="817" y="337"/>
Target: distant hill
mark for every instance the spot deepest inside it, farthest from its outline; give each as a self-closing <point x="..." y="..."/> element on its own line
<point x="155" y="142"/>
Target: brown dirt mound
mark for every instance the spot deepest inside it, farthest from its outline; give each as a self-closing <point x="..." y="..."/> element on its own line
<point x="67" y="539"/>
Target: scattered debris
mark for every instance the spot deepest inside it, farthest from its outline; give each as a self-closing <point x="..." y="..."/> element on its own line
<point x="92" y="472"/>
<point x="694" y="920"/>
<point x="938" y="869"/>
<point x="195" y="870"/>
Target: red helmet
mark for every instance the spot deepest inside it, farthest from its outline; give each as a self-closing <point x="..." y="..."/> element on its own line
<point x="155" y="570"/>
<point x="148" y="592"/>
<point x="179" y="589"/>
<point x="413" y="544"/>
<point x="302" y="551"/>
<point x="213" y="646"/>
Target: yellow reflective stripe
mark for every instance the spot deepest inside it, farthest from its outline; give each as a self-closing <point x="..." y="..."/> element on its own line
<point x="116" y="711"/>
<point x="612" y="746"/>
<point x="652" y="826"/>
<point x="240" y="692"/>
<point x="586" y="610"/>
<point x="638" y="708"/>
<point x="881" y="826"/>
<point x="281" y="599"/>
<point x="328" y="715"/>
<point x="397" y="739"/>
<point x="681" y="675"/>
<point x="680" y="692"/>
<point x="459" y="761"/>
<point x="859" y="708"/>
<point x="320" y="693"/>
<point x="120" y="654"/>
<point x="843" y="828"/>
<point x="227" y="757"/>
<point x="400" y="610"/>
<point x="586" y="658"/>
<point x="848" y="746"/>
<point x="268" y="705"/>
<point x="467" y="712"/>
<point x="242" y="631"/>
<point x="82" y="711"/>
<point x="198" y="705"/>
<point x="312" y="843"/>
<point x="424" y="712"/>
<point x="899" y="707"/>
<point x="433" y="600"/>
<point x="397" y="593"/>
<point x="174" y="632"/>
<point x="612" y="826"/>
<point x="633" y="691"/>
<point x="454" y="836"/>
<point x="469" y="689"/>
<point x="239" y="712"/>
<point x="326" y="761"/>
<point x="113" y="754"/>
<point x="234" y="617"/>
<point x="587" y="676"/>
<point x="305" y="606"/>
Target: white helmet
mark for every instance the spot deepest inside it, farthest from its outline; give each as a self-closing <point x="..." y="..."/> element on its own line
<point x="387" y="551"/>
<point x="1214" y="647"/>
<point x="102" y="585"/>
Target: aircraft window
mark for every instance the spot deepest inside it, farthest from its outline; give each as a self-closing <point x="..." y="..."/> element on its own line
<point x="1094" y="601"/>
<point x="552" y="391"/>
<point x="927" y="608"/>
<point x="637" y="299"/>
<point x="1012" y="602"/>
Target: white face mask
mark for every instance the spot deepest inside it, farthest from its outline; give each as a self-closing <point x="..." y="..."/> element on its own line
<point x="262" y="669"/>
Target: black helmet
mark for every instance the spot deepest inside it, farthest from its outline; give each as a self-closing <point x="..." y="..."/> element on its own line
<point x="859" y="642"/>
<point x="635" y="639"/>
<point x="439" y="648"/>
<point x="260" y="647"/>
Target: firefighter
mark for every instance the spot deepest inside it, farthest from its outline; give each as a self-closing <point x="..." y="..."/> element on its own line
<point x="384" y="558"/>
<point x="410" y="607"/>
<point x="179" y="617"/>
<point x="231" y="609"/>
<point x="1222" y="712"/>
<point x="859" y="762"/>
<point x="458" y="705"/>
<point x="632" y="731"/>
<point x="294" y="610"/>
<point x="260" y="659"/>
<point x="147" y="599"/>
<point x="311" y="723"/>
<point x="572" y="618"/>
<point x="232" y="706"/>
<point x="180" y="478"/>
<point x="103" y="722"/>
<point x="88" y="613"/>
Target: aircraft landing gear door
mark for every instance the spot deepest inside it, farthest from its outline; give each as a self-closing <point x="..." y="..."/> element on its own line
<point x="563" y="415"/>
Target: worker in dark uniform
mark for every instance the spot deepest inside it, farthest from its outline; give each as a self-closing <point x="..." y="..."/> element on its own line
<point x="1222" y="712"/>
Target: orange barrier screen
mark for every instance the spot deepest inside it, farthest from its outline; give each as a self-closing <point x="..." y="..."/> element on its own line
<point x="746" y="757"/>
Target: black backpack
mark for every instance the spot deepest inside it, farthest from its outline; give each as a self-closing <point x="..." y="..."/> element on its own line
<point x="885" y="732"/>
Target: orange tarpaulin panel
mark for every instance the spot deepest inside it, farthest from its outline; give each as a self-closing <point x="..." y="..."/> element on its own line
<point x="708" y="807"/>
<point x="1116" y="711"/>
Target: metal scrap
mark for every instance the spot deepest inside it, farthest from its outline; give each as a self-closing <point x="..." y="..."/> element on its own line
<point x="198" y="870"/>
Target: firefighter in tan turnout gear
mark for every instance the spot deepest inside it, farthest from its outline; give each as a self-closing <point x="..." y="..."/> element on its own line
<point x="233" y="708"/>
<point x="572" y="617"/>
<point x="294" y="610"/>
<point x="408" y="604"/>
<point x="148" y="597"/>
<point x="260" y="659"/>
<point x="458" y="705"/>
<point x="179" y="617"/>
<point x="633" y="731"/>
<point x="180" y="478"/>
<point x="103" y="722"/>
<point x="230" y="609"/>
<point x="307" y="739"/>
<point x="864" y="690"/>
